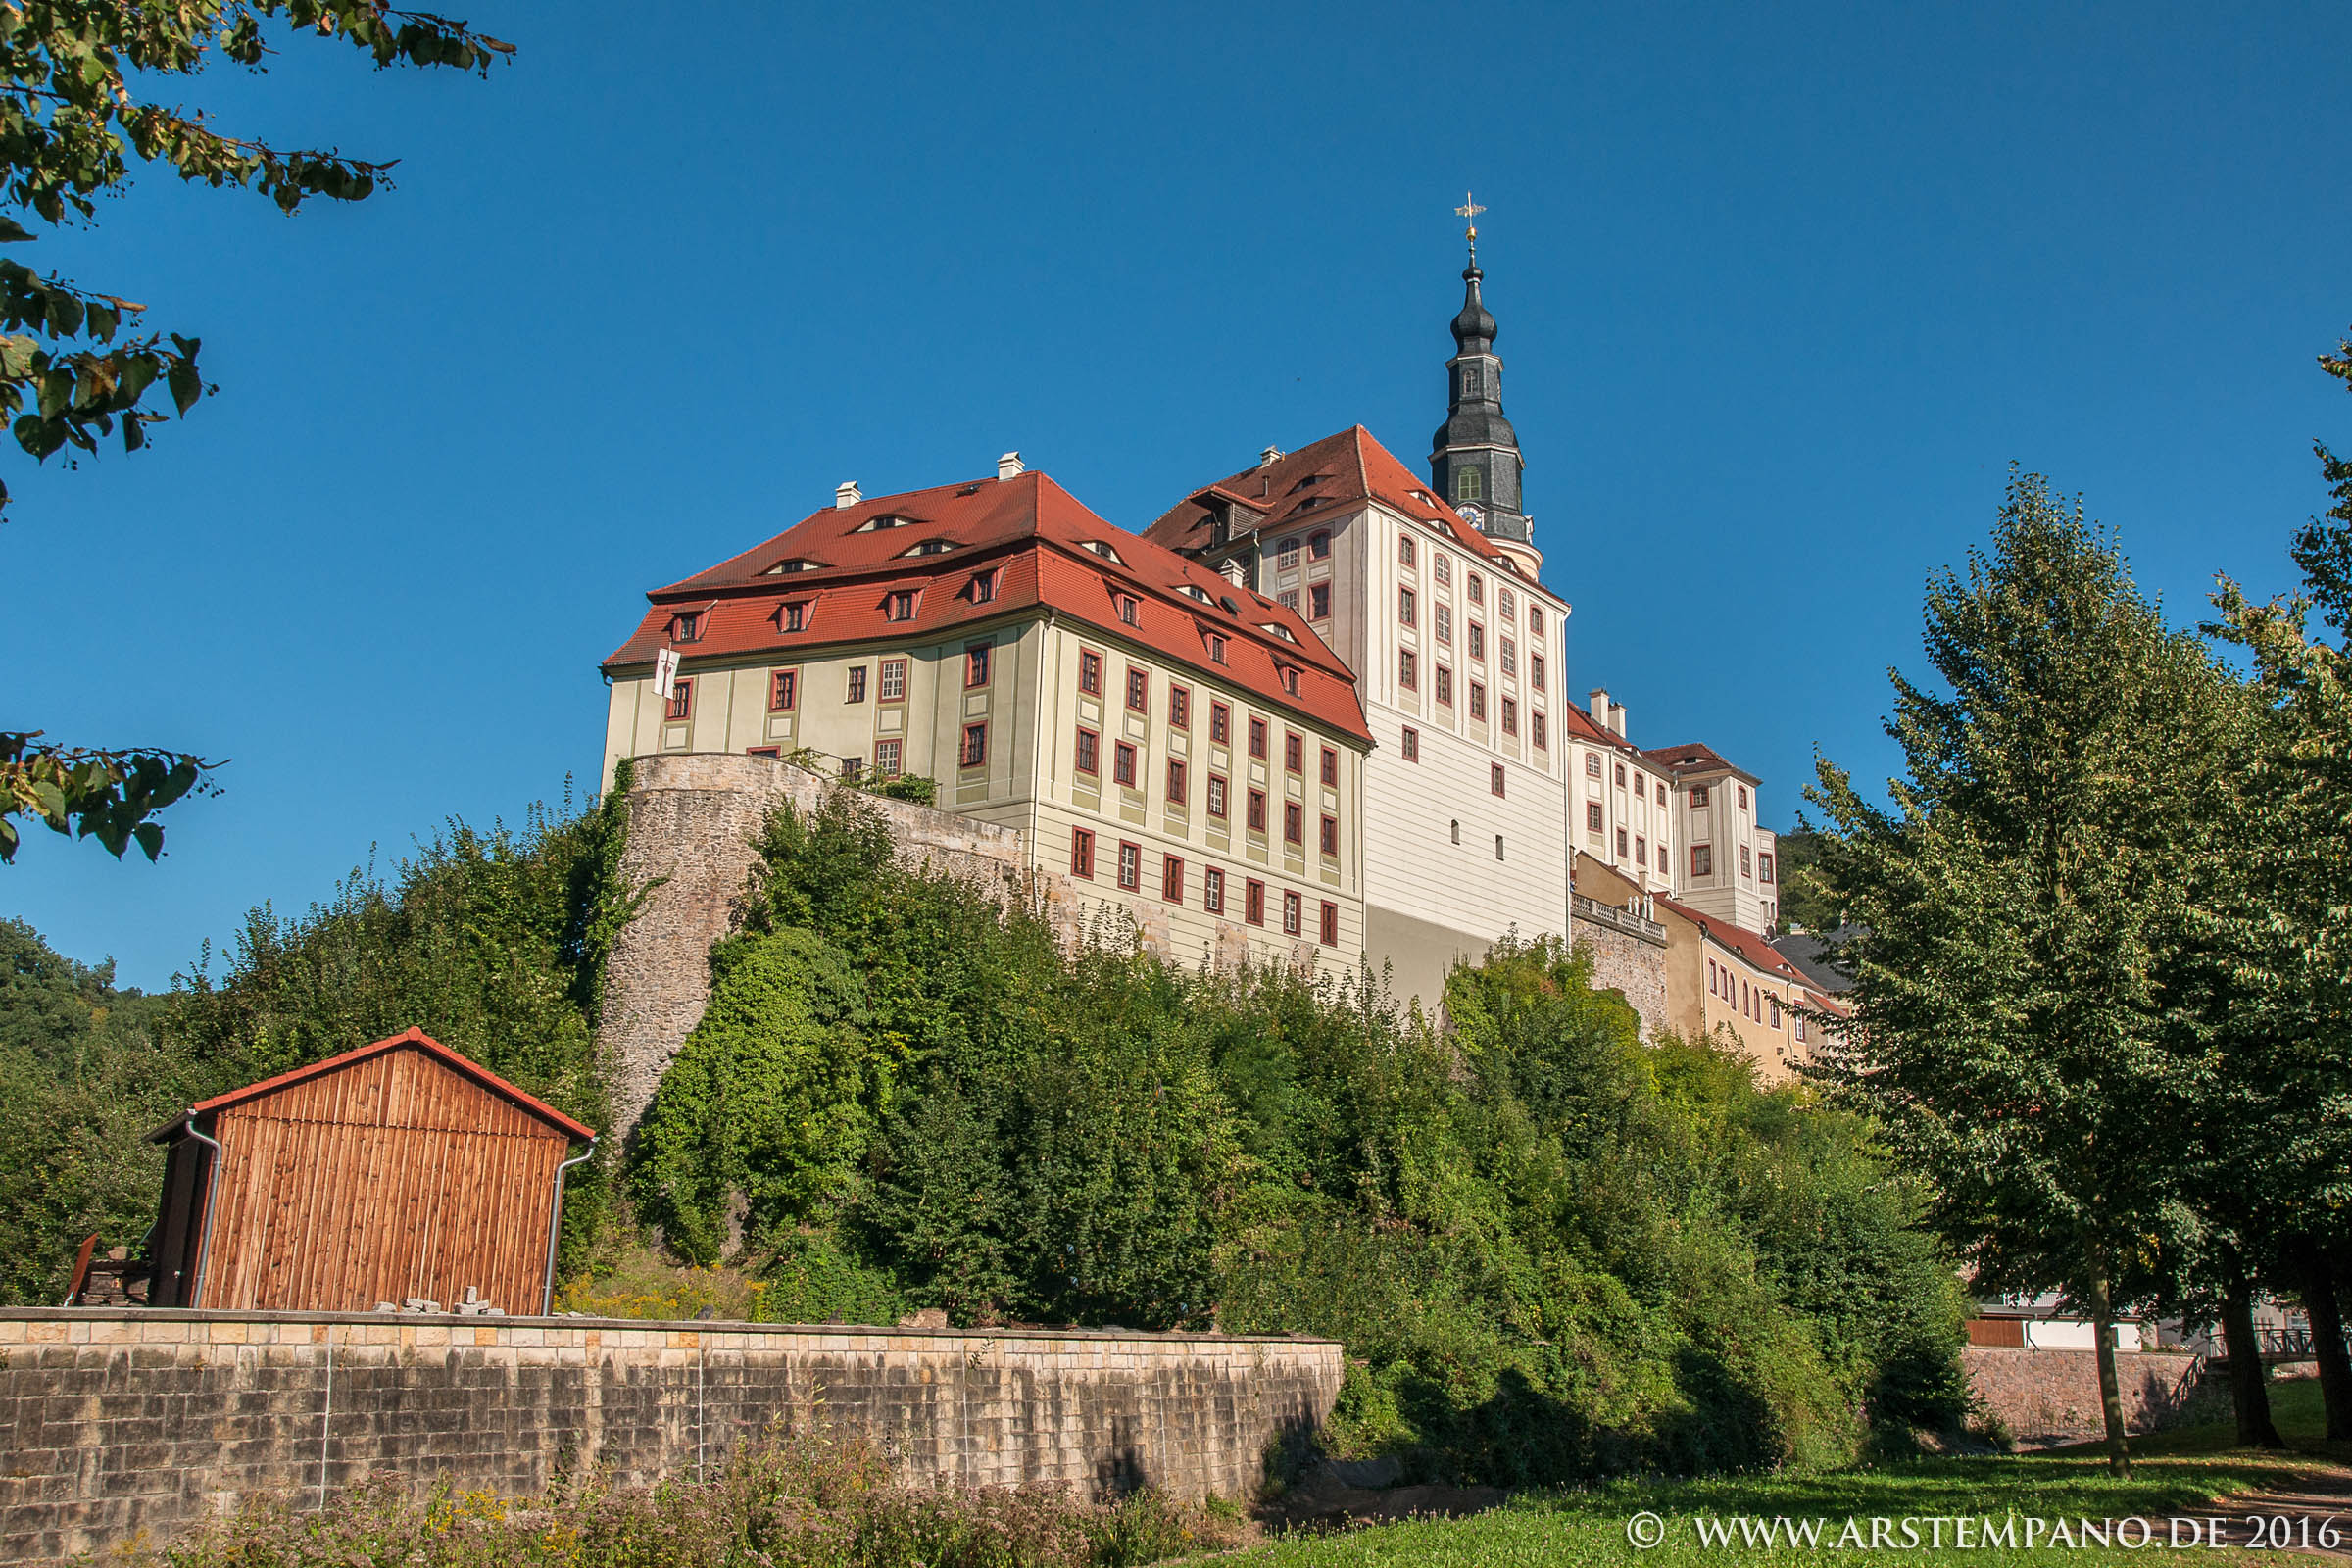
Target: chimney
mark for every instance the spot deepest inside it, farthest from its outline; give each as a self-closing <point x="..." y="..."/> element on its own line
<point x="1617" y="718"/>
<point x="846" y="495"/>
<point x="1270" y="457"/>
<point x="1599" y="706"/>
<point x="1008" y="466"/>
<point x="1233" y="570"/>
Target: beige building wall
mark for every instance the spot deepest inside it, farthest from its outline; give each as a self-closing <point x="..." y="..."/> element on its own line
<point x="1719" y="810"/>
<point x="1029" y="781"/>
<point x="1621" y="807"/>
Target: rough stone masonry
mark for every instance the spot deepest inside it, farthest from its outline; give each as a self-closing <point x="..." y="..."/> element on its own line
<point x="117" y="1426"/>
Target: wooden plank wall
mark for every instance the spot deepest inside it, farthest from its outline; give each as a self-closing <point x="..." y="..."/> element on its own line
<point x="394" y="1177"/>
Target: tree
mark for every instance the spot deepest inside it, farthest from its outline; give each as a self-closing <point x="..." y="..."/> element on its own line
<point x="75" y="363"/>
<point x="2294" y="946"/>
<point x="2021" y="901"/>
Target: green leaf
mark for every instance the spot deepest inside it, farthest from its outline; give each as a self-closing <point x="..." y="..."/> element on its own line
<point x="186" y="386"/>
<point x="12" y="232"/>
<point x="151" y="839"/>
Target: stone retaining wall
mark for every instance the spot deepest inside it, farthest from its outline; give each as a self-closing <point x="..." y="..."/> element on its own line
<point x="2053" y="1396"/>
<point x="1625" y="960"/>
<point x="116" y="1426"/>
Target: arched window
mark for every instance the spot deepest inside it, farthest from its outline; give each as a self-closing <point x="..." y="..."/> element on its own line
<point x="1474" y="382"/>
<point x="1468" y="484"/>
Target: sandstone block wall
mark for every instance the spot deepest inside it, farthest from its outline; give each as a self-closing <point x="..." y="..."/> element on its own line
<point x="1627" y="961"/>
<point x="118" y="1425"/>
<point x="2053" y="1396"/>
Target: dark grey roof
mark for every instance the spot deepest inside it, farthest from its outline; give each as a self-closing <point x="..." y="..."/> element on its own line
<point x="1809" y="950"/>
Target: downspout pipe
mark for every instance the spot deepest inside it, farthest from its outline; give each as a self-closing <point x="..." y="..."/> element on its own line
<point x="212" y="1188"/>
<point x="555" y="1219"/>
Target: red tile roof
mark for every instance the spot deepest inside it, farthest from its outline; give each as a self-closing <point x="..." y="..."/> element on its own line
<point x="1759" y="953"/>
<point x="1350" y="466"/>
<point x="1036" y="537"/>
<point x="414" y="1039"/>
<point x="1695" y="758"/>
<point x="1582" y="727"/>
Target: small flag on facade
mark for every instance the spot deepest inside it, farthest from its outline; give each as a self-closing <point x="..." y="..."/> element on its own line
<point x="665" y="672"/>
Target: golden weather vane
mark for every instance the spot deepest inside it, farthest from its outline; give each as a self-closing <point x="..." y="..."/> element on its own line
<point x="1470" y="209"/>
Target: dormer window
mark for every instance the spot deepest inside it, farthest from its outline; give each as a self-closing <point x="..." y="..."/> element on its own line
<point x="931" y="547"/>
<point x="1216" y="647"/>
<point x="1194" y="591"/>
<point x="1130" y="611"/>
<point x="686" y="626"/>
<point x="898" y="605"/>
<point x="1278" y="629"/>
<point x="887" y="519"/>
<point x="1290" y="680"/>
<point x="983" y="588"/>
<point x="1102" y="547"/>
<point x="1308" y="483"/>
<point x="793" y="616"/>
<point x="785" y="568"/>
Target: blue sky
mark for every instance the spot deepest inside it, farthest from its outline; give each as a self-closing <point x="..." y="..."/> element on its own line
<point x="1782" y="292"/>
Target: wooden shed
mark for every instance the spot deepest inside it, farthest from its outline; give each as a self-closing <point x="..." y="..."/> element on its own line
<point x="398" y="1170"/>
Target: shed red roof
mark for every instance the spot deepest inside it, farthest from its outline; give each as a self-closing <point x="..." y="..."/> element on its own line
<point x="416" y="1039"/>
<point x="1290" y="491"/>
<point x="1040" y="546"/>
<point x="1582" y="727"/>
<point x="1759" y="953"/>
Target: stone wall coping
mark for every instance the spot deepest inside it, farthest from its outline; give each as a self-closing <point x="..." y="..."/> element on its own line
<point x="1584" y="907"/>
<point x="118" y="1314"/>
<point x="2122" y="1356"/>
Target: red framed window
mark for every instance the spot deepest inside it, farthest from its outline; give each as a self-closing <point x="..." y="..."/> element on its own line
<point x="1592" y="816"/>
<point x="1698" y="797"/>
<point x="1253" y="901"/>
<point x="1256" y="818"/>
<point x="1130" y="609"/>
<point x="1090" y="673"/>
<point x="1294" y="823"/>
<point x="1477" y="700"/>
<point x="783" y="690"/>
<point x="1258" y="738"/>
<point x="1478" y="589"/>
<point x="1131" y="865"/>
<point x="1330" y="834"/>
<point x="794" y="617"/>
<point x="1641" y="850"/>
<point x="888" y="757"/>
<point x="1216" y="795"/>
<point x="686" y="626"/>
<point x="1293" y="752"/>
<point x="1220" y="724"/>
<point x="1319" y="546"/>
<point x="1212" y="889"/>
<point x="1412" y="744"/>
<point x="1495" y="778"/>
<point x="1178" y="791"/>
<point x="1621" y="850"/>
<point x="1408" y="669"/>
<point x="898" y="605"/>
<point x="1330" y="932"/>
<point x="1478" y="641"/>
<point x="1534" y="670"/>
<point x="1535" y="619"/>
<point x="1331" y="766"/>
<point x="1180" y="706"/>
<point x="1139" y="689"/>
<point x="1171" y="878"/>
<point x="1293" y="910"/>
<point x="1289" y="680"/>
<point x="1405" y="607"/>
<point x="855" y="690"/>
<point x="682" y="700"/>
<point x="1122" y="763"/>
<point x="1404" y="549"/>
<point x="1537" y="729"/>
<point x="1088" y="753"/>
<point x="1318" y="602"/>
<point x="1445" y="685"/>
<point x="983" y="589"/>
<point x="976" y="660"/>
<point x="894" y="680"/>
<point x="1216" y="647"/>
<point x="1703" y="860"/>
<point x="1082" y="853"/>
<point x="975" y="744"/>
<point x="1510" y="715"/>
<point x="1443" y="621"/>
<point x="770" y="752"/>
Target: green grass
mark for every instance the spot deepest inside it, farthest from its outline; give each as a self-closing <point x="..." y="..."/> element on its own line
<point x="2295" y="1411"/>
<point x="2181" y="1471"/>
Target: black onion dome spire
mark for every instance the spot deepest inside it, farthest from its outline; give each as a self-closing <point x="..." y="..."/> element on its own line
<point x="1474" y="460"/>
<point x="1473" y="325"/>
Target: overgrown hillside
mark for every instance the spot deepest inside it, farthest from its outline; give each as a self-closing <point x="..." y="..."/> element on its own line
<point x="1551" y="1250"/>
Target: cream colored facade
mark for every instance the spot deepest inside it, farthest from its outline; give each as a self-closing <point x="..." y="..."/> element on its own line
<point x="1620" y="805"/>
<point x="1730" y="871"/>
<point x="855" y="702"/>
<point x="1451" y="864"/>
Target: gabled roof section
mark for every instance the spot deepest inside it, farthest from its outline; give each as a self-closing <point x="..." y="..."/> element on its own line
<point x="1758" y="954"/>
<point x="1350" y="466"/>
<point x="1581" y="725"/>
<point x="1693" y="760"/>
<point x="414" y="1039"/>
<point x="1041" y="544"/>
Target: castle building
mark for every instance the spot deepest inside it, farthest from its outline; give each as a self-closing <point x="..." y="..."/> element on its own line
<point x="1728" y="871"/>
<point x="1175" y="743"/>
<point x="1457" y="647"/>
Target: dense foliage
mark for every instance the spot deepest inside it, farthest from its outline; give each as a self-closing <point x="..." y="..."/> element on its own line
<point x="491" y="942"/>
<point x="1551" y="1249"/>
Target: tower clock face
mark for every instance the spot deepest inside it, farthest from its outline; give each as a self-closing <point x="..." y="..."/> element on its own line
<point x="1475" y="516"/>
